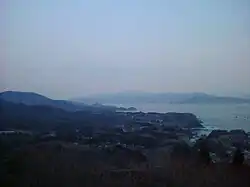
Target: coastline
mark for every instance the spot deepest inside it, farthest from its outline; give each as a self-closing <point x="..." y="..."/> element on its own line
<point x="227" y="117"/>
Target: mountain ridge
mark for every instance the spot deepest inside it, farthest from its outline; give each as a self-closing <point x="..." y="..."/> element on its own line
<point x="34" y="99"/>
<point x="174" y="98"/>
<point x="31" y="98"/>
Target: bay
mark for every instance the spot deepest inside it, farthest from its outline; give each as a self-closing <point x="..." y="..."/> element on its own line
<point x="214" y="116"/>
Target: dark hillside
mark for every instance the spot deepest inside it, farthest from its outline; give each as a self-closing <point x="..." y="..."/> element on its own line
<point x="59" y="164"/>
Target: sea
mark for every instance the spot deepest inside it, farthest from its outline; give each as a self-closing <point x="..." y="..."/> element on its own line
<point x="213" y="116"/>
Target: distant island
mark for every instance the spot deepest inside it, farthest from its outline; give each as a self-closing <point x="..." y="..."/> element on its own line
<point x="130" y="109"/>
<point x="111" y="107"/>
<point x="168" y="98"/>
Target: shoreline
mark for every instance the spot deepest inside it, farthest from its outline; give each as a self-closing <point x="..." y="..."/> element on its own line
<point x="226" y="117"/>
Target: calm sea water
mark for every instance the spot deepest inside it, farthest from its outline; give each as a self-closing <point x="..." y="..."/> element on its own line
<point x="222" y="116"/>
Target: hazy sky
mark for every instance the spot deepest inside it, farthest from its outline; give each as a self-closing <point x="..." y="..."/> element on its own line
<point x="72" y="48"/>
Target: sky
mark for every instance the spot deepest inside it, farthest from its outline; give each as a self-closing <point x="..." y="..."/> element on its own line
<point x="71" y="48"/>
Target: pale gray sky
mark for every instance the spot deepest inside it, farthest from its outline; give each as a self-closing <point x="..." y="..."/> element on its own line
<point x="68" y="48"/>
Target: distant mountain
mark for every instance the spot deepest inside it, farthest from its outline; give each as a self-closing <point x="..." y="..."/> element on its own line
<point x="216" y="99"/>
<point x="180" y="98"/>
<point x="34" y="99"/>
<point x="137" y="97"/>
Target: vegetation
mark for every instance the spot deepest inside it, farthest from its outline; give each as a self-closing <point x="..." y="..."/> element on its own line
<point x="43" y="146"/>
<point x="65" y="164"/>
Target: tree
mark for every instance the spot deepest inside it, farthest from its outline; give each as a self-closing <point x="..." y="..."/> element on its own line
<point x="204" y="153"/>
<point x="238" y="157"/>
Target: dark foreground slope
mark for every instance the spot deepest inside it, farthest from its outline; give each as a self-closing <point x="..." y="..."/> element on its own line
<point x="59" y="164"/>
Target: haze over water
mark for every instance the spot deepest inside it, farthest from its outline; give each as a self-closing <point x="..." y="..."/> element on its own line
<point x="70" y="48"/>
<point x="66" y="49"/>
